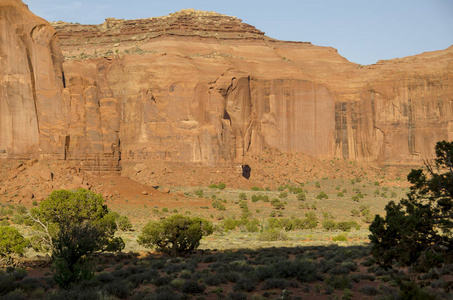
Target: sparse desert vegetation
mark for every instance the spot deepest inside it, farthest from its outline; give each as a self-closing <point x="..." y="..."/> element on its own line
<point x="221" y="242"/>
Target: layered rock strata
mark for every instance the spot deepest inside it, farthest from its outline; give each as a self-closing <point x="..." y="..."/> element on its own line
<point x="203" y="88"/>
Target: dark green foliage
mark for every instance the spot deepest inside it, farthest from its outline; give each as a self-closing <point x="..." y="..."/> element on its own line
<point x="322" y="195"/>
<point x="246" y="284"/>
<point x="237" y="296"/>
<point x="301" y="196"/>
<point x="339" y="282"/>
<point x="12" y="242"/>
<point x="242" y="196"/>
<point x="347" y="226"/>
<point x="229" y="224"/>
<point x="312" y="220"/>
<point x="255" y="188"/>
<point x="275" y="283"/>
<point x="118" y="288"/>
<point x="252" y="226"/>
<point x="417" y="231"/>
<point x="71" y="252"/>
<point x="277" y="204"/>
<point x="192" y="287"/>
<point x="77" y="224"/>
<point x="218" y="205"/>
<point x="123" y="223"/>
<point x="369" y="290"/>
<point x="214" y="280"/>
<point x="176" y="235"/>
<point x="222" y="186"/>
<point x="256" y="198"/>
<point x="329" y="225"/>
<point x="283" y="195"/>
<point x="355" y="198"/>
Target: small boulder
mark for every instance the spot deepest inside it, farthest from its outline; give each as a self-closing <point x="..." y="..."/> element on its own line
<point x="46" y="174"/>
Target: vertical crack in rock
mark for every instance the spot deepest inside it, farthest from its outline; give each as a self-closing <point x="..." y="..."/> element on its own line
<point x="341" y="128"/>
<point x="32" y="81"/>
<point x="66" y="146"/>
<point x="411" y="125"/>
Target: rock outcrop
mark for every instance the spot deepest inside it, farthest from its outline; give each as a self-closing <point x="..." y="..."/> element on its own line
<point x="204" y="88"/>
<point x="38" y="115"/>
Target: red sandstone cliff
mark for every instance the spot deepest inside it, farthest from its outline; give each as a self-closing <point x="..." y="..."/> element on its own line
<point x="197" y="87"/>
<point x="38" y="115"/>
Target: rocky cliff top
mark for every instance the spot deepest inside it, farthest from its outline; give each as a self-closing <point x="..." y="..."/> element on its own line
<point x="187" y="22"/>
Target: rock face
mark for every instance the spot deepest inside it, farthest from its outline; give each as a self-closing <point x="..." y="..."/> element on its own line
<point x="204" y="88"/>
<point x="38" y="115"/>
<point x="32" y="117"/>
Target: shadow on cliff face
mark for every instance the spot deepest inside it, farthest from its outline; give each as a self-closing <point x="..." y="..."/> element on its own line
<point x="246" y="171"/>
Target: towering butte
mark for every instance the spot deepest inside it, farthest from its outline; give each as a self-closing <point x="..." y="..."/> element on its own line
<point x="204" y="88"/>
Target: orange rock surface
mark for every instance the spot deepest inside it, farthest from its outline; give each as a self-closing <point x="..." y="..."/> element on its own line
<point x="203" y="88"/>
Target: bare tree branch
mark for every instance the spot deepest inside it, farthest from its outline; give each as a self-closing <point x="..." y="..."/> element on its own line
<point x="46" y="228"/>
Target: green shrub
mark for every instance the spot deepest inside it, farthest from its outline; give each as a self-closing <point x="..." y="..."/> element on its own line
<point x="242" y="196"/>
<point x="252" y="226"/>
<point x="368" y="218"/>
<point x="277" y="204"/>
<point x="339" y="282"/>
<point x="355" y="213"/>
<point x="176" y="235"/>
<point x="222" y="186"/>
<point x="272" y="235"/>
<point x="322" y="195"/>
<point x="218" y="205"/>
<point x="255" y="188"/>
<point x="164" y="209"/>
<point x="256" y="198"/>
<point x="340" y="238"/>
<point x="344" y="226"/>
<point x="311" y="219"/>
<point x="329" y="225"/>
<point x="369" y="290"/>
<point x="77" y="224"/>
<point x="199" y="193"/>
<point x="340" y="194"/>
<point x="123" y="223"/>
<point x="192" y="287"/>
<point x="12" y="242"/>
<point x="229" y="224"/>
<point x="19" y="219"/>
<point x="301" y="196"/>
<point x="21" y="209"/>
<point x="243" y="205"/>
<point x="283" y="195"/>
<point x="364" y="209"/>
<point x="317" y="185"/>
<point x="213" y="186"/>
